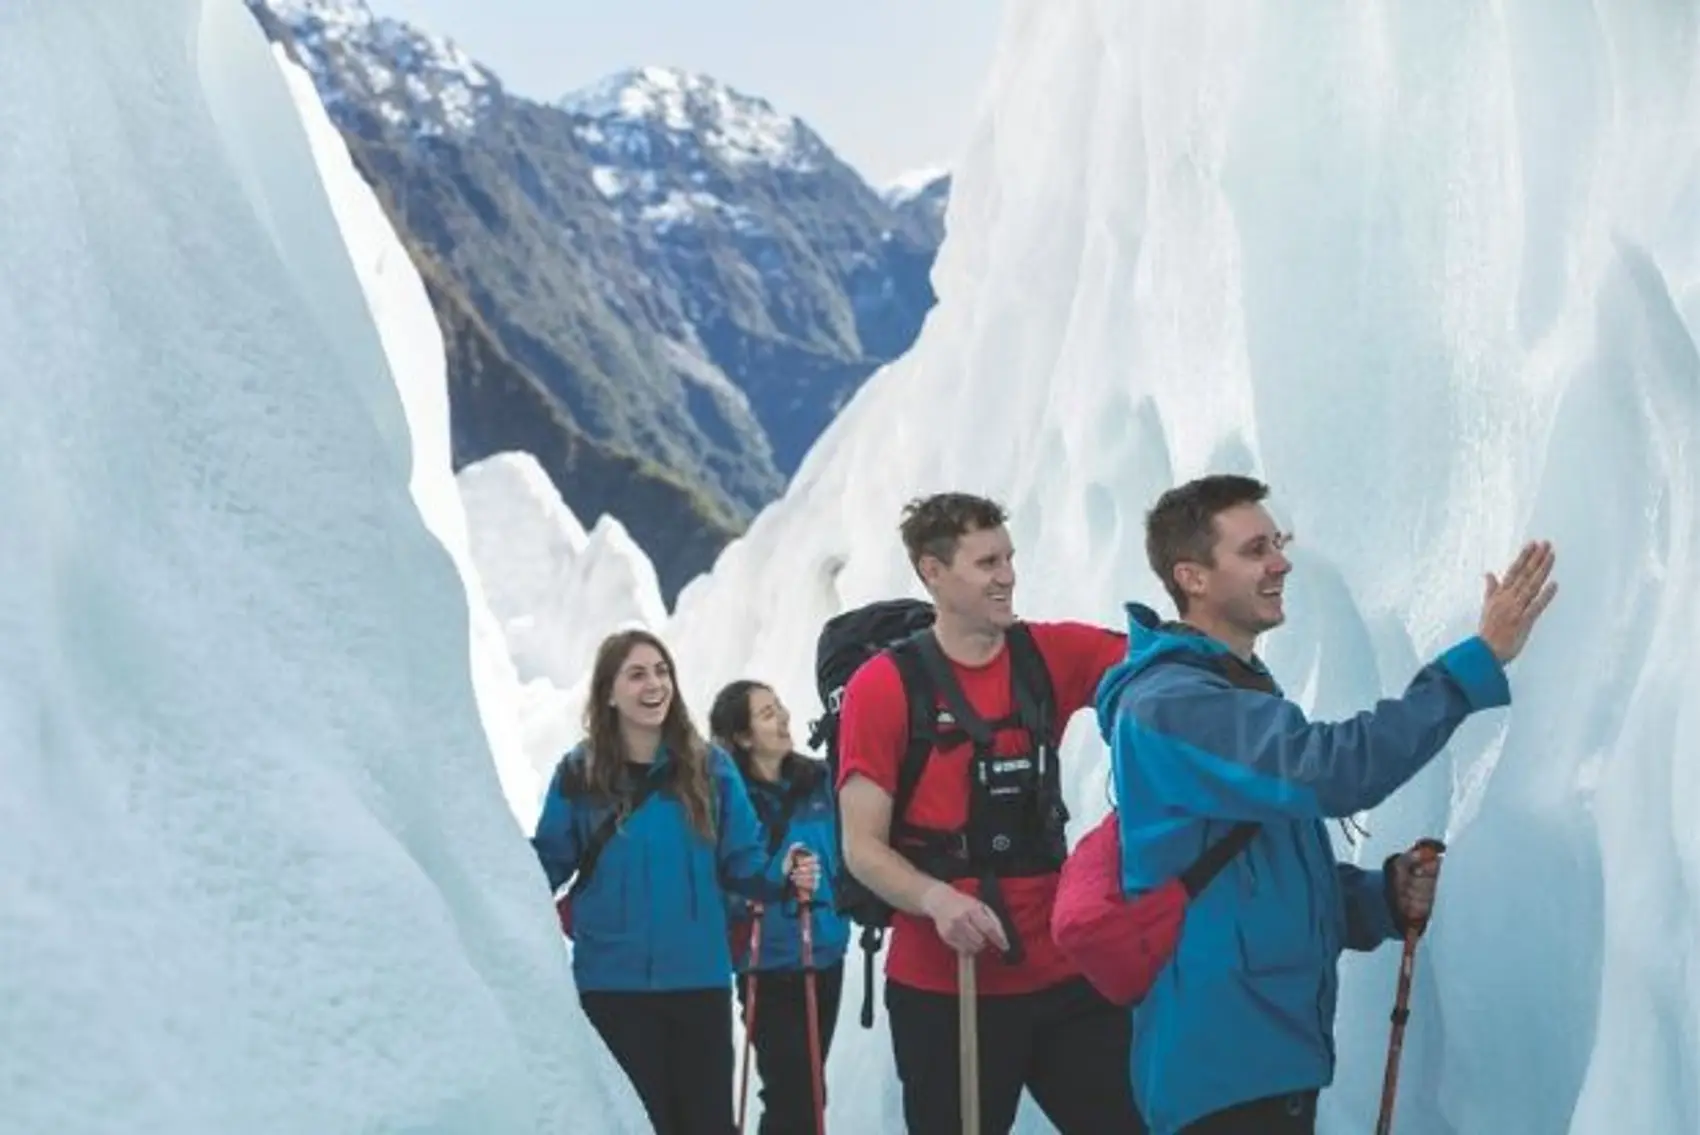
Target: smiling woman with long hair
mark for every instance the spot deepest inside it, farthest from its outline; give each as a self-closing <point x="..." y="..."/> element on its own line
<point x="654" y="827"/>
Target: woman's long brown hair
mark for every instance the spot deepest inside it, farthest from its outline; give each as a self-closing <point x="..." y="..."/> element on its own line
<point x="606" y="747"/>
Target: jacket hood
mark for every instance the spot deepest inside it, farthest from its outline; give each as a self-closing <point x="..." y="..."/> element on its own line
<point x="796" y="772"/>
<point x="1150" y="640"/>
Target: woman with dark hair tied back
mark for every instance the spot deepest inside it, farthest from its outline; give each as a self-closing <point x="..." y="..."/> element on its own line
<point x="654" y="827"/>
<point x="794" y="799"/>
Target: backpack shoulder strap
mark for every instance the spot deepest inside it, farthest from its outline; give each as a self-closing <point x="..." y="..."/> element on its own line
<point x="605" y="830"/>
<point x="1198" y="874"/>
<point x="1030" y="679"/>
<point x="918" y="691"/>
<point x="936" y="667"/>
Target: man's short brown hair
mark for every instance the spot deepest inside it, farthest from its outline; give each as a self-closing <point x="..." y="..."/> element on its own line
<point x="1181" y="526"/>
<point x="934" y="525"/>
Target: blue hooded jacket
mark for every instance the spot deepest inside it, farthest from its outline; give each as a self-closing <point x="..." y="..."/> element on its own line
<point x="1254" y="973"/>
<point x="653" y="916"/>
<point x="813" y="822"/>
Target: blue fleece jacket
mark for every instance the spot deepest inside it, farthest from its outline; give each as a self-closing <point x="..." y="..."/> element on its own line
<point x="813" y="822"/>
<point x="1254" y="973"/>
<point x="653" y="916"/>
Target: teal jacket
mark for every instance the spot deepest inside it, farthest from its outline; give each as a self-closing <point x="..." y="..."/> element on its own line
<point x="653" y="916"/>
<point x="800" y="808"/>
<point x="1246" y="1007"/>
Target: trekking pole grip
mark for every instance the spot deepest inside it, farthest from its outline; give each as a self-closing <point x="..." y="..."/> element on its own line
<point x="1428" y="850"/>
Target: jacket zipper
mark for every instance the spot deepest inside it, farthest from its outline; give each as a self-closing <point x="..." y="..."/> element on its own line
<point x="1330" y="887"/>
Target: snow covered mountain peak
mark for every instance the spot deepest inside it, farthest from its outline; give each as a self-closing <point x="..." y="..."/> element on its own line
<point x="923" y="193"/>
<point x="741" y="129"/>
<point x="415" y="79"/>
<point x="346" y="13"/>
<point x="908" y="186"/>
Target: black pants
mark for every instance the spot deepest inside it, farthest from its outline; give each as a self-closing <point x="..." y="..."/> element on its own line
<point x="1066" y="1045"/>
<point x="781" y="1041"/>
<point x="677" y="1050"/>
<point x="1293" y="1114"/>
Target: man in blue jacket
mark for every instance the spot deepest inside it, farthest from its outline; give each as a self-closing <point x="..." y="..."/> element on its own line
<point x="1237" y="1033"/>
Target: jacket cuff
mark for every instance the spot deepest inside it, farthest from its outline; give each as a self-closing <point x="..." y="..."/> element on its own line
<point x="1478" y="673"/>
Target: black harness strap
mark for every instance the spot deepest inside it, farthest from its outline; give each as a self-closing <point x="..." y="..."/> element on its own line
<point x="954" y="859"/>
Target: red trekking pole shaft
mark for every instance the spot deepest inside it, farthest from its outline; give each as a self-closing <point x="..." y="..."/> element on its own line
<point x="749" y="1014"/>
<point x="1426" y="851"/>
<point x="816" y="1084"/>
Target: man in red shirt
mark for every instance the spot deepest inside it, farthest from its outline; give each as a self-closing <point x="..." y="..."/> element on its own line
<point x="1041" y="1025"/>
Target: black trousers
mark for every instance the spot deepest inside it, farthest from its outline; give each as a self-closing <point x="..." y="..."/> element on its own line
<point x="781" y="1042"/>
<point x="676" y="1048"/>
<point x="1293" y="1114"/>
<point x="1066" y="1045"/>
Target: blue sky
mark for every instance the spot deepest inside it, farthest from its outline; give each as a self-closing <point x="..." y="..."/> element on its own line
<point x="892" y="85"/>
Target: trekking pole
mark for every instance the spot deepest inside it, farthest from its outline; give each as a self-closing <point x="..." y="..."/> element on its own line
<point x="817" y="1084"/>
<point x="750" y="990"/>
<point x="1426" y="851"/>
<point x="968" y="1042"/>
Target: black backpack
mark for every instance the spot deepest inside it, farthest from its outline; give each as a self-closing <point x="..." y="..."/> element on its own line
<point x="846" y="642"/>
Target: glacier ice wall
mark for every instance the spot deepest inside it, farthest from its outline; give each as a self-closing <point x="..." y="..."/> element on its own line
<point x="541" y="572"/>
<point x="400" y="308"/>
<point x="258" y="872"/>
<point x="1432" y="271"/>
<point x="539" y="566"/>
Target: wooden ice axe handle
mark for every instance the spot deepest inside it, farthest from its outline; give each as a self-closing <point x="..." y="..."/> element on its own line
<point x="968" y="1042"/>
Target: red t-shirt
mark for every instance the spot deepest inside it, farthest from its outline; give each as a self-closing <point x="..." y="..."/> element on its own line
<point x="873" y="732"/>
